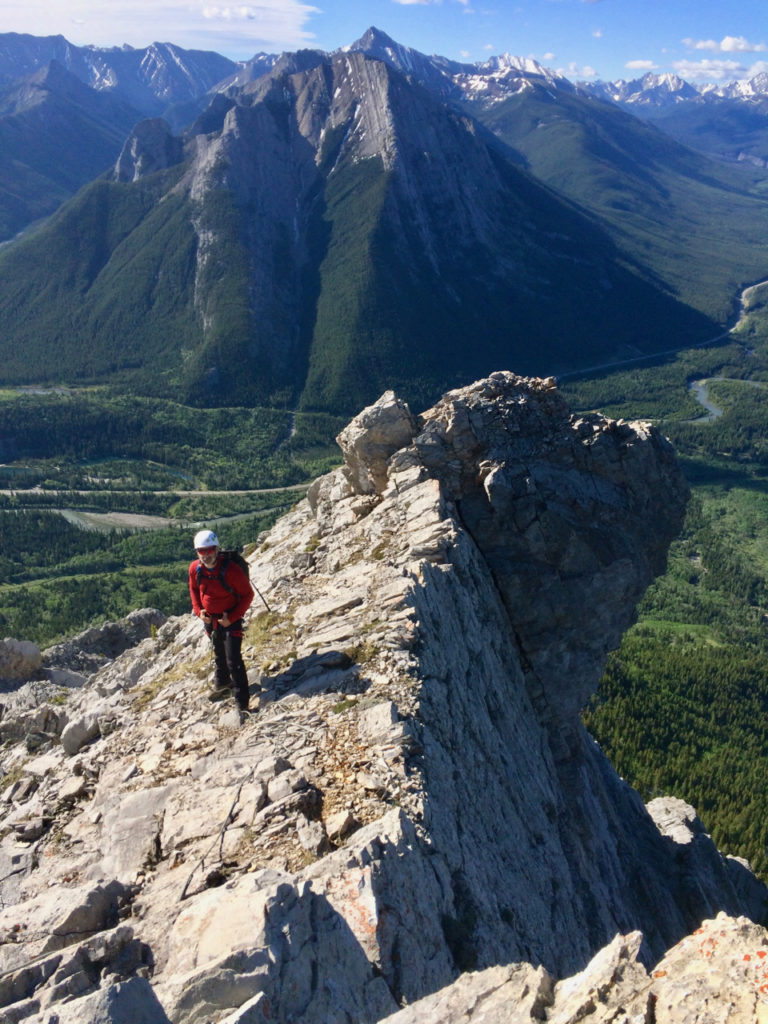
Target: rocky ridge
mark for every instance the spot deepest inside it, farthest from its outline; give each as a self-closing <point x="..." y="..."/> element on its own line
<point x="150" y="78"/>
<point x="414" y="800"/>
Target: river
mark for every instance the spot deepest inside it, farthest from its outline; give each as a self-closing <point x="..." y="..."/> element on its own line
<point x="698" y="389"/>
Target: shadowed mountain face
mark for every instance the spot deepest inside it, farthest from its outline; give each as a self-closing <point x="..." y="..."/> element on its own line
<point x="65" y="112"/>
<point x="332" y="226"/>
<point x="325" y="233"/>
<point x="56" y="134"/>
<point x="698" y="223"/>
<point x="695" y="222"/>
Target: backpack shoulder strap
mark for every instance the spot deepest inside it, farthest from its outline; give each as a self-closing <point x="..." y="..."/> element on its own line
<point x="220" y="577"/>
<point x="225" y="560"/>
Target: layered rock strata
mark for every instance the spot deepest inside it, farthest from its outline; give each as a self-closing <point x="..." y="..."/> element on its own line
<point x="415" y="797"/>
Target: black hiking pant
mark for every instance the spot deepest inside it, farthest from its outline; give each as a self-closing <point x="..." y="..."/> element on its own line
<point x="230" y="667"/>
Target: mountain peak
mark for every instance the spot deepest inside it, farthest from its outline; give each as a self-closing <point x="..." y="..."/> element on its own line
<point x="52" y="83"/>
<point x="668" y="80"/>
<point x="55" y="75"/>
<point x="432" y="71"/>
<point x="508" y="62"/>
<point x="650" y="91"/>
<point x="372" y="37"/>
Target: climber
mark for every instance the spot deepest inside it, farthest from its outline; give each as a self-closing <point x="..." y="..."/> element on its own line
<point x="221" y="594"/>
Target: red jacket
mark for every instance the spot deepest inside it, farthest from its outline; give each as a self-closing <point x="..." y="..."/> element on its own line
<point x="209" y="594"/>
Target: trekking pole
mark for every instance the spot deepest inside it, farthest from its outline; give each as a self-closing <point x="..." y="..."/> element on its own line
<point x="264" y="600"/>
<point x="210" y="647"/>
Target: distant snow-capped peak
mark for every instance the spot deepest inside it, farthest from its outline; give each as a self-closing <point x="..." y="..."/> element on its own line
<point x="669" y="89"/>
<point x="498" y="77"/>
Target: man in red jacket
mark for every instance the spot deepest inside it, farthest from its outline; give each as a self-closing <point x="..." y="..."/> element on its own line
<point x="221" y="594"/>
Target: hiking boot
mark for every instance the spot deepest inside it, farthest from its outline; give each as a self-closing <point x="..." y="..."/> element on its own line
<point x="246" y="715"/>
<point x="219" y="693"/>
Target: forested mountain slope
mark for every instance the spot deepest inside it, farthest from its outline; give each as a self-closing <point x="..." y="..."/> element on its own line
<point x="700" y="225"/>
<point x="327" y="234"/>
<point x="56" y="134"/>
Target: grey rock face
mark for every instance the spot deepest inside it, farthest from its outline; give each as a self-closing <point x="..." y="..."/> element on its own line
<point x="19" y="660"/>
<point x="574" y="518"/>
<point x="151" y="147"/>
<point x="414" y="797"/>
<point x="76" y="734"/>
<point x="371" y="438"/>
<point x="497" y="995"/>
<point x="91" y="650"/>
<point x="715" y="975"/>
<point x="127" y="1002"/>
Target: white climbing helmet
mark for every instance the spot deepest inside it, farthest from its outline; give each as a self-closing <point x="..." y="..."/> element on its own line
<point x="205" y="539"/>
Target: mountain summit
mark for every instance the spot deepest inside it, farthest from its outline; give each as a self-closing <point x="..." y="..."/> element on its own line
<point x="416" y="796"/>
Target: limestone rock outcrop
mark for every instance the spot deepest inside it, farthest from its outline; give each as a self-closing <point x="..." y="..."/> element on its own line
<point x="19" y="660"/>
<point x="93" y="648"/>
<point x="150" y="147"/>
<point x="414" y="800"/>
<point x="718" y="974"/>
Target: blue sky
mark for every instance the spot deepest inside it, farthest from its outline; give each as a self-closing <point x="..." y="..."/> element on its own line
<point x="585" y="39"/>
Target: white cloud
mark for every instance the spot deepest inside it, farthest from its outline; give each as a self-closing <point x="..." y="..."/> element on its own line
<point x="230" y="13"/>
<point x="710" y="70"/>
<point x="597" y="33"/>
<point x="577" y="72"/>
<point x="641" y="65"/>
<point x="719" y="70"/>
<point x="738" y="44"/>
<point x="238" y="29"/>
<point x="701" y="44"/>
<point x="728" y="44"/>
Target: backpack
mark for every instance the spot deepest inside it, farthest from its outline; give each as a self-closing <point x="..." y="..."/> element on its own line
<point x="233" y="555"/>
<point x="225" y="558"/>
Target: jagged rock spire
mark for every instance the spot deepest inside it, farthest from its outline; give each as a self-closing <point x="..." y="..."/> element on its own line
<point x="150" y="147"/>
